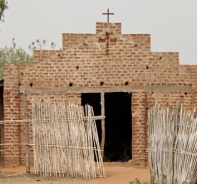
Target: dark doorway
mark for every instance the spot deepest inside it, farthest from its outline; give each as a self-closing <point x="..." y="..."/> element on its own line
<point x="118" y="127"/>
<point x="117" y="124"/>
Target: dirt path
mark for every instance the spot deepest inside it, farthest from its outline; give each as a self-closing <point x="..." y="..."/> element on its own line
<point x="116" y="174"/>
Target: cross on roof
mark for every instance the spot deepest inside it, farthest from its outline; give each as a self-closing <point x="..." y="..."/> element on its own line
<point x="108" y="15"/>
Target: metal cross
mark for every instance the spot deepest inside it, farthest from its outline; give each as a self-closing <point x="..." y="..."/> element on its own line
<point x="108" y="15"/>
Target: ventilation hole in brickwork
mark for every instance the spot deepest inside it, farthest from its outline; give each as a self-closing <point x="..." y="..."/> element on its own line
<point x="160" y="57"/>
<point x="135" y="45"/>
<point x="113" y="39"/>
<point x="126" y="83"/>
<point x="101" y="83"/>
<point x="19" y="84"/>
<point x="58" y="55"/>
<point x="77" y="67"/>
<point x="147" y="108"/>
<point x="101" y="40"/>
<point x="185" y="93"/>
<point x="31" y="84"/>
<point x="22" y="73"/>
<point x="70" y="84"/>
<point x="146" y="67"/>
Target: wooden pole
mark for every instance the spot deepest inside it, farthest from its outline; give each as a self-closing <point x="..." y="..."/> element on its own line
<point x="102" y="123"/>
<point x="26" y="133"/>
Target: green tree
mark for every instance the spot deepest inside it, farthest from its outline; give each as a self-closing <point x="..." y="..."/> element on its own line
<point x="15" y="55"/>
<point x="3" y="7"/>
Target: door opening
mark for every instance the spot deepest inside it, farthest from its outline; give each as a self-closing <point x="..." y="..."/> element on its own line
<point x="118" y="129"/>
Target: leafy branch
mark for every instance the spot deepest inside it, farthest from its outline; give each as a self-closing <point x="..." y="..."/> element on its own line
<point x="15" y="55"/>
<point x="3" y="7"/>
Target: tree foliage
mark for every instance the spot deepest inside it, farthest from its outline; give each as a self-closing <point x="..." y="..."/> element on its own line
<point x="39" y="45"/>
<point x="3" y="7"/>
<point x="17" y="55"/>
<point x="13" y="55"/>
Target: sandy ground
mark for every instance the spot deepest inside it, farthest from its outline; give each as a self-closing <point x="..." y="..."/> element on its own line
<point x="116" y="174"/>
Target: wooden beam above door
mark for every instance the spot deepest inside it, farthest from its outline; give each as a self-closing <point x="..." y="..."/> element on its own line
<point x="99" y="89"/>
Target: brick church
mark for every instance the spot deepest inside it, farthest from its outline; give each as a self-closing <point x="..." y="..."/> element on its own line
<point x="119" y="70"/>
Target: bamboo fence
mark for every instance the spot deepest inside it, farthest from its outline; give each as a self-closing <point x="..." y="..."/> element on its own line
<point x="172" y="145"/>
<point x="66" y="141"/>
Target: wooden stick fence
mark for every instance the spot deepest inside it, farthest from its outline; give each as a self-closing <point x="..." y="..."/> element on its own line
<point x="66" y="141"/>
<point x="172" y="145"/>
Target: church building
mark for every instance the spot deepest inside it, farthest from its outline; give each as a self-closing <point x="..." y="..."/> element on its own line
<point x="116" y="73"/>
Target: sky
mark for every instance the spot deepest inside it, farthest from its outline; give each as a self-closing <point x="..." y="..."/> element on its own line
<point x="171" y="23"/>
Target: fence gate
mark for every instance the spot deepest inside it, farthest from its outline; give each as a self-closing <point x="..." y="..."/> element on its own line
<point x="65" y="140"/>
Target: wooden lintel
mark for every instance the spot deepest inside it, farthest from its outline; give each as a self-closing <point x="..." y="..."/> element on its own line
<point x="129" y="89"/>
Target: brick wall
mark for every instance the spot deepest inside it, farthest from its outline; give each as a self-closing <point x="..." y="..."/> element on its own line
<point x="101" y="26"/>
<point x="172" y="99"/>
<point x="86" y="61"/>
<point x="194" y="85"/>
<point x="139" y="124"/>
<point x="11" y="111"/>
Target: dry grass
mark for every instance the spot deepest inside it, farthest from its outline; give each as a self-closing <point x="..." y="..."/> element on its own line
<point x="30" y="177"/>
<point x="137" y="181"/>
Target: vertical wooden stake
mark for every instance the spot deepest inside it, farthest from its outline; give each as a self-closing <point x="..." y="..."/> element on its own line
<point x="27" y="159"/>
<point x="102" y="123"/>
